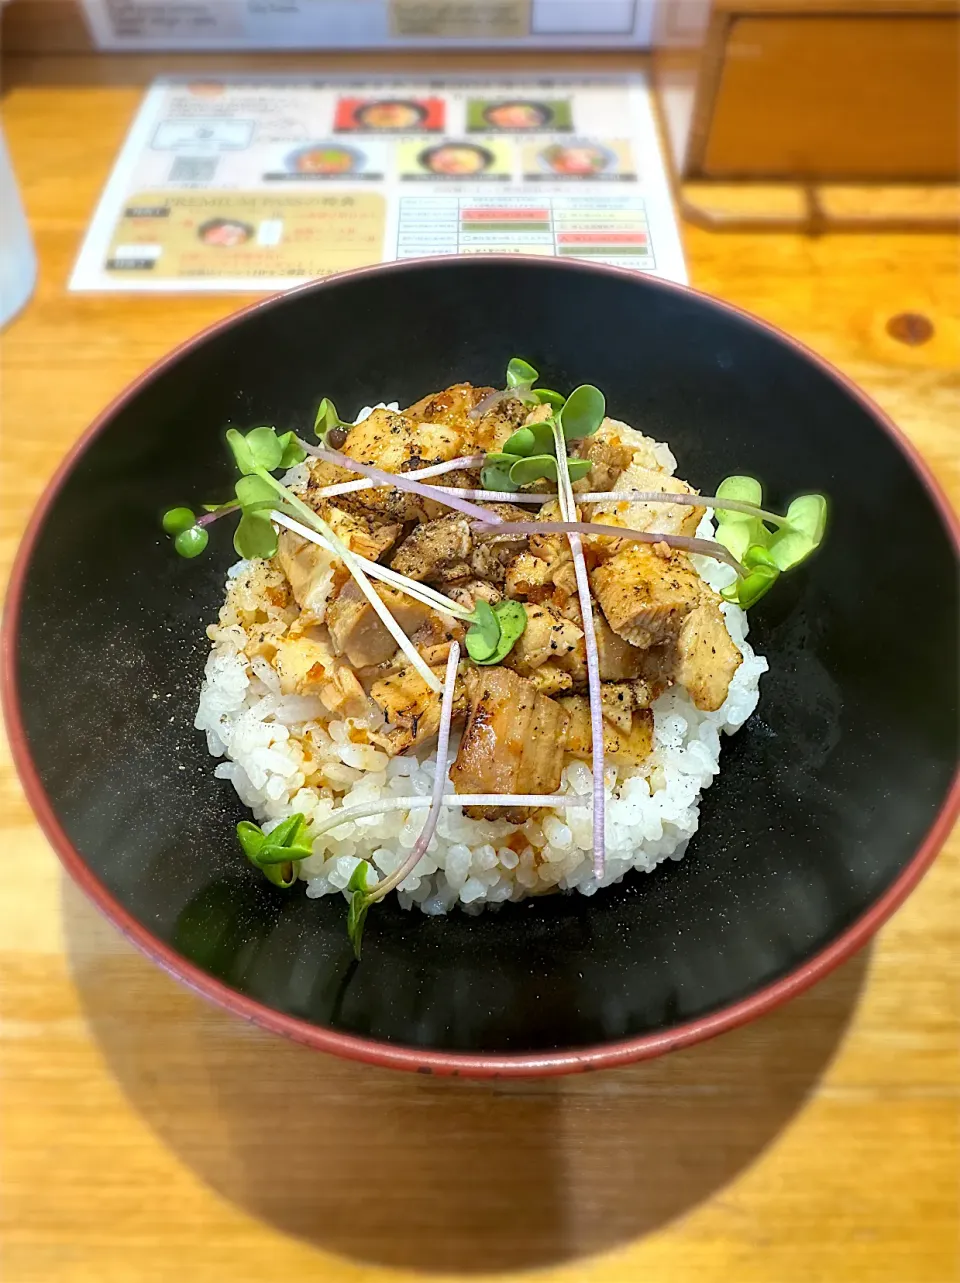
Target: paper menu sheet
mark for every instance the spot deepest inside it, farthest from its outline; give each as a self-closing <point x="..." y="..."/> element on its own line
<point x="263" y="183"/>
<point x="127" y="25"/>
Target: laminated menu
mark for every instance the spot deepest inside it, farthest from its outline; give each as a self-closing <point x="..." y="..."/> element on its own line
<point x="263" y="183"/>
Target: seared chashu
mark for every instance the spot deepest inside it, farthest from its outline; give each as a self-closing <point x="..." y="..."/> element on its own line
<point x="513" y="742"/>
<point x="646" y="592"/>
<point x="627" y="728"/>
<point x="411" y="710"/>
<point x="356" y="630"/>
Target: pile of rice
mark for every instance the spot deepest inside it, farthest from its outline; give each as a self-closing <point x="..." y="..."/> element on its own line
<point x="273" y="744"/>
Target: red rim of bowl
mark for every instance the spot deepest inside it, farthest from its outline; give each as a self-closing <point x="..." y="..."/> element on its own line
<point x="397" y="1056"/>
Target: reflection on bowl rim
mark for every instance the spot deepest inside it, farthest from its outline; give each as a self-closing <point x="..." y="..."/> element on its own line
<point x="424" y="1060"/>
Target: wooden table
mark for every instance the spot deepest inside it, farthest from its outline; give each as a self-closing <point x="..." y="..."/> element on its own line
<point x="148" y="1137"/>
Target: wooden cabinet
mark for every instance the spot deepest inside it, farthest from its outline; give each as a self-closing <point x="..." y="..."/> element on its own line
<point x="768" y="89"/>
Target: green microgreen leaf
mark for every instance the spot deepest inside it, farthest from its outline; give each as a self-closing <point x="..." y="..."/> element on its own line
<point x="191" y="543"/>
<point x="254" y="493"/>
<point x="360" y="878"/>
<point x="548" y="397"/>
<point x="259" y="448"/>
<point x="360" y="903"/>
<point x="738" y="531"/>
<point x="742" y="489"/>
<point x="292" y="452"/>
<point x="328" y="421"/>
<point x="277" y="853"/>
<point x="808" y="515"/>
<point x="539" y="467"/>
<point x="286" y="831"/>
<point x="220" y="507"/>
<point x="522" y="443"/>
<point x="511" y="620"/>
<point x="483" y="635"/>
<point x="578" y="468"/>
<point x="762" y="574"/>
<point x="356" y="920"/>
<point x="583" y="412"/>
<point x="737" y="536"/>
<point x="794" y="542"/>
<point x="281" y="875"/>
<point x="520" y="373"/>
<point x="240" y="450"/>
<point x="255" y="536"/>
<point x="265" y="448"/>
<point x="535" y="438"/>
<point x="176" y="520"/>
<point x="251" y="838"/>
<point x="496" y="477"/>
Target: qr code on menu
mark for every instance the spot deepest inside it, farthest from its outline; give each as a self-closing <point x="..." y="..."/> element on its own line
<point x="193" y="169"/>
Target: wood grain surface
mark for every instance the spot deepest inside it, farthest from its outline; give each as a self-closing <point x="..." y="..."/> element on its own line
<point x="149" y="1137"/>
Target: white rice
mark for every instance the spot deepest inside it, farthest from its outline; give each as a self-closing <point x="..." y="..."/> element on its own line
<point x="652" y="810"/>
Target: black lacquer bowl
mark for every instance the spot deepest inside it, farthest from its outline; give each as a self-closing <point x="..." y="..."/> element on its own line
<point x="831" y="801"/>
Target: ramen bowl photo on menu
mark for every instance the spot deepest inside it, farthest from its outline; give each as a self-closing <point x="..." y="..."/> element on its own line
<point x="489" y="689"/>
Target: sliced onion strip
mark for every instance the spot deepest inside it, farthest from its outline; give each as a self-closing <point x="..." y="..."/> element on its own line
<point x="399" y="481"/>
<point x="422" y="593"/>
<point x="468" y="462"/>
<point x="440" y="779"/>
<point x="489" y="401"/>
<point x="685" y="543"/>
<point x="570" y="527"/>
<point x="347" y="814"/>
<point x="684" y="497"/>
<point x="353" y="564"/>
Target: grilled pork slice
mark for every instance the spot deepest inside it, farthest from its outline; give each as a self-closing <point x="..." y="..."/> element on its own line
<point x="302" y="665"/>
<point x="448" y="550"/>
<point x="547" y="636"/>
<point x="609" y="454"/>
<point x="468" y="593"/>
<point x="617" y="659"/>
<point x="513" y="742"/>
<point x="394" y="443"/>
<point x="356" y="630"/>
<point x="436" y="551"/>
<point x="397" y="443"/>
<point x="616" y="443"/>
<point x="411" y="710"/>
<point x="706" y="658"/>
<point x="702" y="658"/>
<point x="361" y="531"/>
<point x="455" y="406"/>
<point x="666" y="518"/>
<point x="546" y="569"/>
<point x="343" y="695"/>
<point x="309" y="570"/>
<point x="627" y="735"/>
<point x="646" y="594"/>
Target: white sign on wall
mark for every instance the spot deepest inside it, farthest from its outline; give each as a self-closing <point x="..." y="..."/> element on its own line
<point x="343" y="24"/>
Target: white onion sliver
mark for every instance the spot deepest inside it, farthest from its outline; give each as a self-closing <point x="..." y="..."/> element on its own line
<point x="399" y="481"/>
<point x="414" y="802"/>
<point x="570" y="526"/>
<point x="423" y="593"/>
<point x="352" y="563"/>
<point x="466" y="463"/>
<point x="436" y="797"/>
<point x="704" y="547"/>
